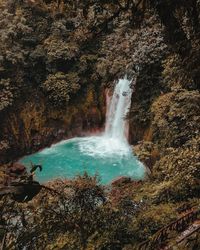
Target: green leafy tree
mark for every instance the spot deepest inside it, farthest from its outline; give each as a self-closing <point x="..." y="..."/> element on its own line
<point x="60" y="86"/>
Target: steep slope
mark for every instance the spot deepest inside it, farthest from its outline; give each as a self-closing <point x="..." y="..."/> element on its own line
<point x="57" y="58"/>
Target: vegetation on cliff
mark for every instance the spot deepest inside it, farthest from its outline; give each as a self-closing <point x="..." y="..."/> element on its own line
<point x="56" y="58"/>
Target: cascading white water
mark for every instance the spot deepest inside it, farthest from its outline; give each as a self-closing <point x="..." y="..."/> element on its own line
<point x="108" y="154"/>
<point x="113" y="141"/>
<point x="118" y="109"/>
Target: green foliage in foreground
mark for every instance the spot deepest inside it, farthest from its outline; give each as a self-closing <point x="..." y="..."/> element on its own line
<point x="74" y="216"/>
<point x="81" y="214"/>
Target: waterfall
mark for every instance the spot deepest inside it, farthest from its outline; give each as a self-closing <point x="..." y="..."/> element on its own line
<point x="108" y="154"/>
<point x="113" y="141"/>
<point x="117" y="110"/>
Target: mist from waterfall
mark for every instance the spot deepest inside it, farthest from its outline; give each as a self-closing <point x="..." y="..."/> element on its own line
<point x="109" y="154"/>
<point x="113" y="141"/>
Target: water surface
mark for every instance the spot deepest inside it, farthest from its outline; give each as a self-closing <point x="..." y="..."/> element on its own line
<point x="107" y="157"/>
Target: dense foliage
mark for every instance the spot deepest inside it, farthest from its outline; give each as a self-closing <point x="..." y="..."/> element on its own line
<point x="77" y="215"/>
<point x="56" y="59"/>
<point x="59" y="87"/>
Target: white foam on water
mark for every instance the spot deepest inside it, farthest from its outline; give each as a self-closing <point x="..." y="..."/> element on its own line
<point x="108" y="154"/>
<point x="113" y="141"/>
<point x="104" y="146"/>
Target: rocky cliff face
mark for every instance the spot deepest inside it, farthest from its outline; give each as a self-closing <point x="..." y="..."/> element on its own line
<point x="49" y="89"/>
<point x="35" y="124"/>
<point x="56" y="59"/>
<point x="54" y="69"/>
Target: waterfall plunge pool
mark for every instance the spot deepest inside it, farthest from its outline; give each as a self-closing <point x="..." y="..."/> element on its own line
<point x="108" y="155"/>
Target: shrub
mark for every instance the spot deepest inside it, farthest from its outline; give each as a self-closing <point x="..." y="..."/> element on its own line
<point x="59" y="87"/>
<point x="73" y="216"/>
<point x="6" y="94"/>
<point x="176" y="118"/>
<point x="58" y="49"/>
<point x="181" y="168"/>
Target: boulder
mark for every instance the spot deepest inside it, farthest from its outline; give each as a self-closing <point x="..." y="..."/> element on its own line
<point x="17" y="169"/>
